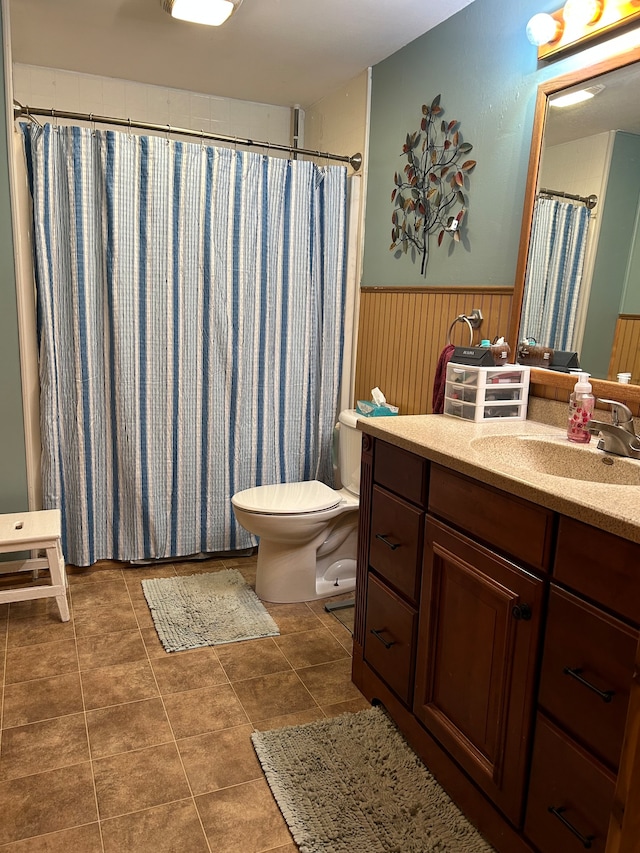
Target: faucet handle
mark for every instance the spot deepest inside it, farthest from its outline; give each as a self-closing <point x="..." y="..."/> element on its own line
<point x="620" y="414"/>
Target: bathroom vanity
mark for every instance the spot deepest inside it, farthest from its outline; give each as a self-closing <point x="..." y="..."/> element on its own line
<point x="497" y="618"/>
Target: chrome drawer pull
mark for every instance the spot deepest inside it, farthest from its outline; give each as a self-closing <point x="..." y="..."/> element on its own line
<point x="383" y="538"/>
<point x="384" y="642"/>
<point x="585" y="839"/>
<point x="605" y="695"/>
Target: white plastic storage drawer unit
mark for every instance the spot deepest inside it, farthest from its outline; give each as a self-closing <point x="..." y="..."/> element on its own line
<point x="487" y="393"/>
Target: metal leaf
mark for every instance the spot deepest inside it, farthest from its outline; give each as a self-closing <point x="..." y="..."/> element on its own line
<point x="443" y="126"/>
<point x="393" y="194"/>
<point x="459" y="179"/>
<point x="425" y="110"/>
<point x="456" y="138"/>
<point x="435" y="102"/>
<point x="467" y="165"/>
<point x="461" y="197"/>
<point x="465" y="148"/>
<point x="440" y="236"/>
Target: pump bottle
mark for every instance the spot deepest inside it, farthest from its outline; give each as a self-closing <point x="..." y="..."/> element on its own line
<point x="581" y="405"/>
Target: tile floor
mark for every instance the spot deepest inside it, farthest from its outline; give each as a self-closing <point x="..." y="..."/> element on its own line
<point x="109" y="744"/>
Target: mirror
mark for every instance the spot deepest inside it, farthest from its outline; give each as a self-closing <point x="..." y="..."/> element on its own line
<point x="593" y="148"/>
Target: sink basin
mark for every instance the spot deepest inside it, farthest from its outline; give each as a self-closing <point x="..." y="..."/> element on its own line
<point x="556" y="457"/>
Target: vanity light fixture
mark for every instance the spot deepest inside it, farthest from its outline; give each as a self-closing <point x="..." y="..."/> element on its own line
<point x="578" y="22"/>
<point x="544" y="29"/>
<point x="212" y="13"/>
<point x="581" y="13"/>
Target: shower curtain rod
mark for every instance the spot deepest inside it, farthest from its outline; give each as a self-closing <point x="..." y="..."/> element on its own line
<point x="20" y="111"/>
<point x="589" y="201"/>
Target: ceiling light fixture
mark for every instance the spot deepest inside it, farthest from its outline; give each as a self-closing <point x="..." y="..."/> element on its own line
<point x="576" y="97"/>
<point x="579" y="22"/>
<point x="212" y="13"/>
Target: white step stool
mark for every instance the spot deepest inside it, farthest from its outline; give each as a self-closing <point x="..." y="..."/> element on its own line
<point x="35" y="531"/>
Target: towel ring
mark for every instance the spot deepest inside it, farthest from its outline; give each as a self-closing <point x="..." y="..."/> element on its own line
<point x="461" y="318"/>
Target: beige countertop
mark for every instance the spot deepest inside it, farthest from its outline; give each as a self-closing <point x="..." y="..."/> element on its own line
<point x="485" y="451"/>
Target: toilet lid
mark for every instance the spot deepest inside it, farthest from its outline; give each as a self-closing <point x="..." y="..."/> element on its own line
<point x="291" y="498"/>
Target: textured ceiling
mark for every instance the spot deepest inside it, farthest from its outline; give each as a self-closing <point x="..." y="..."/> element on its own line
<point x="282" y="52"/>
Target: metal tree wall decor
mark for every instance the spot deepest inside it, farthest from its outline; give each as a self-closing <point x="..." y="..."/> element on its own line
<point x="429" y="192"/>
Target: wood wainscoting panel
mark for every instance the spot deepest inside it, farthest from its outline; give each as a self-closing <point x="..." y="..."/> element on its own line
<point x="402" y="332"/>
<point x="625" y="356"/>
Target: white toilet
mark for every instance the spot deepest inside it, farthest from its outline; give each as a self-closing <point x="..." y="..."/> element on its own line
<point x="308" y="531"/>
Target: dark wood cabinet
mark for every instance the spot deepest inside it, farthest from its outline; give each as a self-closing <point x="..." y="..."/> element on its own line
<point x="502" y="638"/>
<point x="480" y="619"/>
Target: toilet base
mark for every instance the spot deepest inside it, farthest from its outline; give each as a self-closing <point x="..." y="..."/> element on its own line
<point x="288" y="572"/>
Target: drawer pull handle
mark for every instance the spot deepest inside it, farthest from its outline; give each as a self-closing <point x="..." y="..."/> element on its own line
<point x="383" y="538"/>
<point x="384" y="642"/>
<point x="605" y="695"/>
<point x="585" y="839"/>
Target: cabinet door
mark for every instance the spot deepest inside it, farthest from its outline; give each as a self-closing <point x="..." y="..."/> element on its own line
<point x="478" y="637"/>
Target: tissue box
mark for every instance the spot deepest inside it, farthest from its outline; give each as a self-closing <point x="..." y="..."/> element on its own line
<point x="369" y="409"/>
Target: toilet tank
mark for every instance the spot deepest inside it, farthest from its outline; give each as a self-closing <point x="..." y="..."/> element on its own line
<point x="350" y="449"/>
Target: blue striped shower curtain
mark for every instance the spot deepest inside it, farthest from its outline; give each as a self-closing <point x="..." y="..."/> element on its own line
<point x="554" y="273"/>
<point x="190" y="310"/>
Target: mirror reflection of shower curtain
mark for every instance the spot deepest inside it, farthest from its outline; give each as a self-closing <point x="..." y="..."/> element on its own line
<point x="554" y="273"/>
<point x="191" y="319"/>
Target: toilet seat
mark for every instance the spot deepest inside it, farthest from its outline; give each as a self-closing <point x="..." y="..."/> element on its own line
<point x="288" y="498"/>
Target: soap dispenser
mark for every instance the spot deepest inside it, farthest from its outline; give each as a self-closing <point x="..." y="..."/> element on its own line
<point x="581" y="405"/>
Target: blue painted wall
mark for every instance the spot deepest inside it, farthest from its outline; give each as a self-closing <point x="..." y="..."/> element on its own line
<point x="13" y="472"/>
<point x="487" y="73"/>
<point x="614" y="255"/>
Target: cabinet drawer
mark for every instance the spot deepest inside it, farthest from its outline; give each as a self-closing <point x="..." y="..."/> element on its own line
<point x="587" y="670"/>
<point x="389" y="644"/>
<point x="395" y="542"/>
<point x="564" y="778"/>
<point x="508" y="524"/>
<point x="600" y="565"/>
<point x="401" y="471"/>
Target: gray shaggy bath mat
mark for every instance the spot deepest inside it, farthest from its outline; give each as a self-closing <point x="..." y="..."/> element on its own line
<point x="206" y="610"/>
<point x="352" y="784"/>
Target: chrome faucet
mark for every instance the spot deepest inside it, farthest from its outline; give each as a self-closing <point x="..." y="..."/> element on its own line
<point x="619" y="436"/>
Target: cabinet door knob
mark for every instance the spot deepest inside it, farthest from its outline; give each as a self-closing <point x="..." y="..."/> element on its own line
<point x="386" y="643"/>
<point x="521" y="611"/>
<point x="585" y="839"/>
<point x="605" y="695"/>
<point x="383" y="538"/>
